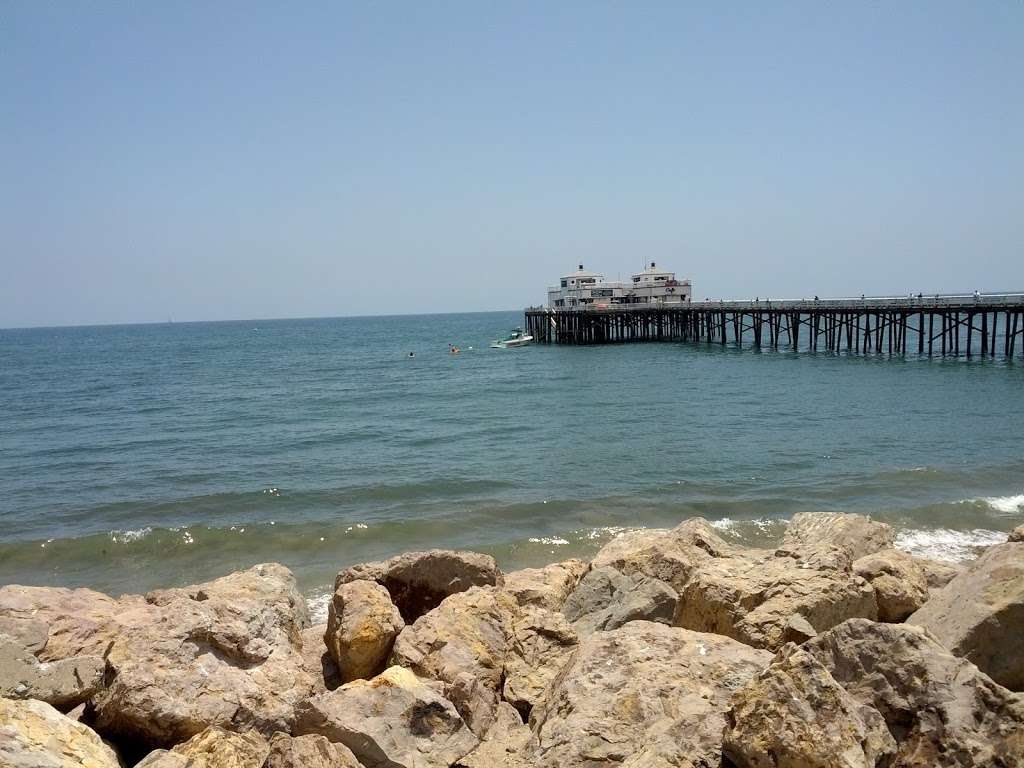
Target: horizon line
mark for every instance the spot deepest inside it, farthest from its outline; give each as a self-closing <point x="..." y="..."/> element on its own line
<point x="171" y="321"/>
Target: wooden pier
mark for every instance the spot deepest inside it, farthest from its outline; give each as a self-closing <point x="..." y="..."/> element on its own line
<point x="952" y="324"/>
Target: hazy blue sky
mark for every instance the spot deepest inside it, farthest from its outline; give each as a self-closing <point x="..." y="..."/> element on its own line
<point x="232" y="160"/>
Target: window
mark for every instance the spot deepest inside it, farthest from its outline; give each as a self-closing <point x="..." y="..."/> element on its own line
<point x="601" y="292"/>
<point x="564" y="283"/>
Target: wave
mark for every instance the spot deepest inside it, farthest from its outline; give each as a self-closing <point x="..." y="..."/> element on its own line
<point x="1007" y="504"/>
<point x="946" y="543"/>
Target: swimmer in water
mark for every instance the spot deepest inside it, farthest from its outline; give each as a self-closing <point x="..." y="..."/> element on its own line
<point x="412" y="354"/>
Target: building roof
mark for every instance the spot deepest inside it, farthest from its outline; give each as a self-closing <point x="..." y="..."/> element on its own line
<point x="581" y="272"/>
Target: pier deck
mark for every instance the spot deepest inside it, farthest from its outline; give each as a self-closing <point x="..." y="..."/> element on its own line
<point x="949" y="324"/>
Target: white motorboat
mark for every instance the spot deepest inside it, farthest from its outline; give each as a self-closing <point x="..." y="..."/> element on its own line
<point x="515" y="339"/>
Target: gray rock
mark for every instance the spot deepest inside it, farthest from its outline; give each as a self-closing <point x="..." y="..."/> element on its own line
<point x="317" y="661"/>
<point x="899" y="580"/>
<point x="1017" y="534"/>
<point x="394" y="720"/>
<point x="362" y="624"/>
<point x="668" y="555"/>
<point x="63" y="684"/>
<point x="754" y="596"/>
<point x="813" y="534"/>
<point x="463" y="643"/>
<point x="606" y="599"/>
<point x="225" y="653"/>
<point x="795" y="714"/>
<point x="643" y="695"/>
<point x="29" y="633"/>
<point x="939" y="573"/>
<point x="980" y="614"/>
<point x="509" y="744"/>
<point x="941" y="709"/>
<point x="541" y="643"/>
<point x="546" y="587"/>
<point x="419" y="581"/>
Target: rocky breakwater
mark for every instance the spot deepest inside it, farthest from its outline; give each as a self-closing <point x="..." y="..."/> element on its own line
<point x="671" y="648"/>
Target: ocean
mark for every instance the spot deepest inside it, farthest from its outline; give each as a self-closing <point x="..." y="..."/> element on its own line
<point x="134" y="457"/>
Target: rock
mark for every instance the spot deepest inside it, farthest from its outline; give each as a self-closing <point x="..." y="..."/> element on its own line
<point x="63" y="684"/>
<point x="317" y="661"/>
<point x="814" y="533"/>
<point x="980" y="614"/>
<point x="940" y="708"/>
<point x="541" y="644"/>
<point x="546" y="587"/>
<point x="509" y="744"/>
<point x="225" y="653"/>
<point x="394" y="720"/>
<point x="643" y="695"/>
<point x="938" y="573"/>
<point x="310" y="751"/>
<point x="419" y="581"/>
<point x="30" y="634"/>
<point x="754" y="596"/>
<point x="35" y="735"/>
<point x="798" y="630"/>
<point x="606" y="598"/>
<point x="463" y="643"/>
<point x="1017" y="534"/>
<point x="667" y="555"/>
<point x="362" y="624"/>
<point x="212" y="748"/>
<point x="795" y="714"/>
<point x="899" y="581"/>
<point x="79" y="622"/>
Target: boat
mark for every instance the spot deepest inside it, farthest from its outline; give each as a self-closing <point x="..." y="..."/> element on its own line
<point x="515" y="339"/>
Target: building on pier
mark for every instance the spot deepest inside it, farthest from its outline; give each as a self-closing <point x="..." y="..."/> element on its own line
<point x="652" y="286"/>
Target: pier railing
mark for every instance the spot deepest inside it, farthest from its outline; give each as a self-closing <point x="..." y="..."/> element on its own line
<point x="935" y="323"/>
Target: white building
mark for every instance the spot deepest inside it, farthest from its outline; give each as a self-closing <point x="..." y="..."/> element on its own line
<point x="584" y="288"/>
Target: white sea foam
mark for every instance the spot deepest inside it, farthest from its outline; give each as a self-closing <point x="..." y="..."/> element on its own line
<point x="1008" y="504"/>
<point x="737" y="528"/>
<point x="127" y="537"/>
<point x="947" y="544"/>
<point x="317" y="603"/>
<point x="553" y="541"/>
<point x="604" y="532"/>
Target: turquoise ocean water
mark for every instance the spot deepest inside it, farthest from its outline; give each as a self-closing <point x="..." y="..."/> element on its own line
<point x="140" y="456"/>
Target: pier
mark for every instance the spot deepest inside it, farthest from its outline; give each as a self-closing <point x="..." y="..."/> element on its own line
<point x="987" y="324"/>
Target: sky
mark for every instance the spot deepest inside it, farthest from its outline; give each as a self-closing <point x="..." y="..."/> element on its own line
<point x="220" y="160"/>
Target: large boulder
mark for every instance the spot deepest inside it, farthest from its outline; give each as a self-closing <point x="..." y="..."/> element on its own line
<point x="78" y="622"/>
<point x="362" y="624"/>
<point x="212" y="748"/>
<point x="980" y="614"/>
<point x="35" y="735"/>
<point x="938" y="573"/>
<point x="546" y="587"/>
<point x="1017" y="534"/>
<point x="63" y="684"/>
<point x="643" y="695"/>
<point x="463" y="643"/>
<point x="29" y="633"/>
<point x="758" y="597"/>
<point x="899" y="580"/>
<point x="394" y="720"/>
<point x="225" y="653"/>
<point x="541" y="643"/>
<point x="509" y="744"/>
<point x="941" y="709"/>
<point x="813" y="534"/>
<point x="795" y="714"/>
<point x="606" y="599"/>
<point x="419" y="581"/>
<point x="668" y="555"/>
<point x="309" y="751"/>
